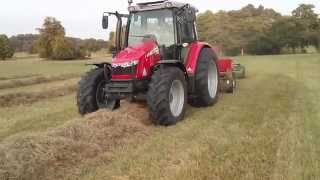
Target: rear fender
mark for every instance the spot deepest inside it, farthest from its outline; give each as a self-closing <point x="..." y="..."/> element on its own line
<point x="193" y="56"/>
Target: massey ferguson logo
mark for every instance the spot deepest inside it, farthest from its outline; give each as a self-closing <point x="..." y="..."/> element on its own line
<point x="125" y="64"/>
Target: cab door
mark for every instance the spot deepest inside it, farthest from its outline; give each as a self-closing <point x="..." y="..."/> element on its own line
<point x="186" y="32"/>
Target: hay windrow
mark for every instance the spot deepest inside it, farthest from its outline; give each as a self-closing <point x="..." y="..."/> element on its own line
<point x="35" y="80"/>
<point x="19" y="77"/>
<point x="63" y="150"/>
<point x="25" y="98"/>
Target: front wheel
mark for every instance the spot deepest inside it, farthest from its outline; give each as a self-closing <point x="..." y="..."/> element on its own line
<point x="91" y="94"/>
<point x="167" y="96"/>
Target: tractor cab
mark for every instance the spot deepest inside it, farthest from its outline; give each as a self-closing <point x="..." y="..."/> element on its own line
<point x="170" y="24"/>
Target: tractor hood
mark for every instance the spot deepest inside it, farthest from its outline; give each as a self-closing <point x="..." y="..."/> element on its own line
<point x="134" y="53"/>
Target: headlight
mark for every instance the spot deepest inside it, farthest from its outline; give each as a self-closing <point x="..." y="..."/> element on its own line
<point x="131" y="8"/>
<point x="168" y="4"/>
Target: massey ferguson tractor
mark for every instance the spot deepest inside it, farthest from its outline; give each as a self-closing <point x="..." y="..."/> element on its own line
<point x="159" y="58"/>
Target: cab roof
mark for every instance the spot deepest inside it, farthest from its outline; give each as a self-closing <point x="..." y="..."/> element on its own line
<point x="155" y="5"/>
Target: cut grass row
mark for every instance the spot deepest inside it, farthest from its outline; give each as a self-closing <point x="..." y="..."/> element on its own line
<point x="27" y="98"/>
<point x="39" y="116"/>
<point x="18" y="77"/>
<point x="33" y="97"/>
<point x="63" y="150"/>
<point x="35" y="80"/>
<point x="40" y="87"/>
<point x="37" y="107"/>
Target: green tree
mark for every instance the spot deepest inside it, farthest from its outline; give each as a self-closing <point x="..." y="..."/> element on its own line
<point x="33" y="48"/>
<point x="62" y="49"/>
<point x="287" y="33"/>
<point x="50" y="31"/>
<point x="53" y="44"/>
<point x="306" y="18"/>
<point x="23" y="42"/>
<point x="263" y="45"/>
<point x="111" y="42"/>
<point x="6" y="51"/>
<point x="234" y="30"/>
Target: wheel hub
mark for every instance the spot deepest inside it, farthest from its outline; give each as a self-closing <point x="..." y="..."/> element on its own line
<point x="102" y="98"/>
<point x="212" y="79"/>
<point x="176" y="98"/>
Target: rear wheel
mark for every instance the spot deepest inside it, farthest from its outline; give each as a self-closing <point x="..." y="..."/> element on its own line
<point x="207" y="80"/>
<point x="243" y="72"/>
<point x="167" y="96"/>
<point x="232" y="84"/>
<point x="91" y="94"/>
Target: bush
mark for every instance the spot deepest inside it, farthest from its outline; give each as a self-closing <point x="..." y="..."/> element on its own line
<point x="23" y="42"/>
<point x="65" y="50"/>
<point x="33" y="48"/>
<point x="263" y="45"/>
<point x="233" y="51"/>
<point x="6" y="51"/>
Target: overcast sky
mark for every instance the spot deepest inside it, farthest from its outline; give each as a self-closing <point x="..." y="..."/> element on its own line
<point x="82" y="18"/>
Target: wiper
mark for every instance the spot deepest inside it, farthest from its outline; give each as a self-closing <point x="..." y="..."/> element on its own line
<point x="142" y="36"/>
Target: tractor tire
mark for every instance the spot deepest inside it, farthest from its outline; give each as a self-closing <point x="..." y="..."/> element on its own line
<point x="167" y="96"/>
<point x="90" y="95"/>
<point x="241" y="74"/>
<point x="232" y="88"/>
<point x="206" y="80"/>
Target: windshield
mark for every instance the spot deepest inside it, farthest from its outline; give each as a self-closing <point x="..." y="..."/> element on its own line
<point x="156" y="25"/>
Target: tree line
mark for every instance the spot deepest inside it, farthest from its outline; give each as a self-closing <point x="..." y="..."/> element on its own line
<point x="51" y="43"/>
<point x="257" y="31"/>
<point x="261" y="31"/>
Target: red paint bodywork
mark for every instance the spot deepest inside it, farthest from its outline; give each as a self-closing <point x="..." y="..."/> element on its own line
<point x="225" y="65"/>
<point x="193" y="55"/>
<point x="140" y="52"/>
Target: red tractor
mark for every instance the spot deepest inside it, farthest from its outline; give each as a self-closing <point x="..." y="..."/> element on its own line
<point x="160" y="59"/>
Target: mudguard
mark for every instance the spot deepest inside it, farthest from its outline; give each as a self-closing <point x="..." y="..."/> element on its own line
<point x="193" y="56"/>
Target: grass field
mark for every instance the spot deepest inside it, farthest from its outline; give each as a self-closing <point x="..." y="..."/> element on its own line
<point x="269" y="129"/>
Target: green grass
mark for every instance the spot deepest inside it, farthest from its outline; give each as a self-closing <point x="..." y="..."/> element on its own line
<point x="25" y="65"/>
<point x="38" y="66"/>
<point x="45" y="113"/>
<point x="37" y="117"/>
<point x="269" y="129"/>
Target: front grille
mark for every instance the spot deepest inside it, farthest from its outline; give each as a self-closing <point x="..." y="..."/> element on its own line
<point x="119" y="87"/>
<point x="121" y="70"/>
<point x="236" y="67"/>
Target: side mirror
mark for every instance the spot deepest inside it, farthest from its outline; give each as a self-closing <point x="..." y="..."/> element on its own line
<point x="105" y="21"/>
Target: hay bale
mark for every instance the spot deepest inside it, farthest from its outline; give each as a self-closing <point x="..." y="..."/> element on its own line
<point x="61" y="151"/>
